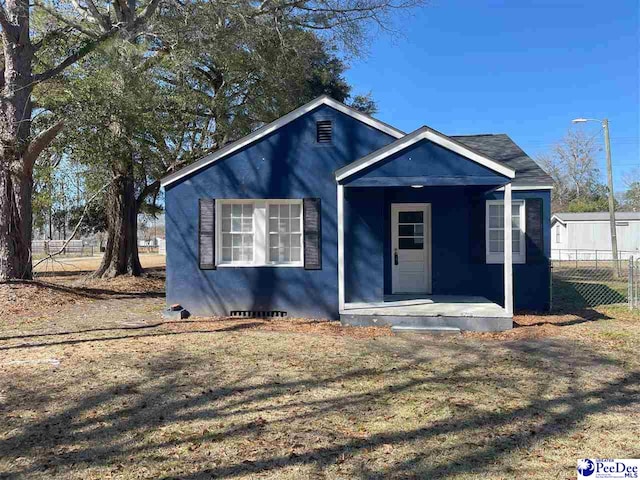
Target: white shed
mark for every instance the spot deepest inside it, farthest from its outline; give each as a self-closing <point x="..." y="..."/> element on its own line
<point x="162" y="246"/>
<point x="585" y="235"/>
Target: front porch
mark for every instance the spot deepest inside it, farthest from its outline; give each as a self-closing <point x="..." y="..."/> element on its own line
<point x="455" y="311"/>
<point x="411" y="220"/>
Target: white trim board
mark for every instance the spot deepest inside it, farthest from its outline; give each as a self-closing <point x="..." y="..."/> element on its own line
<point x="275" y="125"/>
<point x="525" y="187"/>
<point x="423" y="133"/>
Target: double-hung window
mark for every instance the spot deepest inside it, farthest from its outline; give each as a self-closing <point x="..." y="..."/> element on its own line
<point x="237" y="233"/>
<point x="495" y="231"/>
<point x="285" y="233"/>
<point x="259" y="233"/>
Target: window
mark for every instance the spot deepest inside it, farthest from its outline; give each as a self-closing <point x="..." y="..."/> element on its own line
<point x="259" y="232"/>
<point x="237" y="232"/>
<point x="411" y="230"/>
<point x="285" y="233"/>
<point x="558" y="239"/>
<point x="495" y="231"/>
<point x="324" y="130"/>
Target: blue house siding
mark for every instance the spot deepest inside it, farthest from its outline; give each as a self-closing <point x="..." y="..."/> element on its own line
<point x="531" y="281"/>
<point x="286" y="164"/>
<point x="426" y="163"/>
<point x="364" y="239"/>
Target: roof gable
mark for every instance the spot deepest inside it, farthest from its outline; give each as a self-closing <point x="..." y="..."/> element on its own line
<point x="419" y="135"/>
<point x="274" y="126"/>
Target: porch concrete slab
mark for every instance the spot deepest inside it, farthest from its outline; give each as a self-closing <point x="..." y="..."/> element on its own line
<point x="429" y="312"/>
<point x="429" y="306"/>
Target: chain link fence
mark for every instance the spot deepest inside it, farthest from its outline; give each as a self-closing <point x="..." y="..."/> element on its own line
<point x="634" y="283"/>
<point x="589" y="280"/>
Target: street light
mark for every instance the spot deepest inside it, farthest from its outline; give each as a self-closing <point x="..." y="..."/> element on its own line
<point x="612" y="212"/>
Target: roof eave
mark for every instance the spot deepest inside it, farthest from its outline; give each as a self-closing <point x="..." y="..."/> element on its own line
<point x="275" y="125"/>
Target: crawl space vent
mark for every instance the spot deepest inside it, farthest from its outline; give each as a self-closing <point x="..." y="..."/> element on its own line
<point x="258" y="313"/>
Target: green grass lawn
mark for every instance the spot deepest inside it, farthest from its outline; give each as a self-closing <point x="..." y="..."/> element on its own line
<point x="288" y="400"/>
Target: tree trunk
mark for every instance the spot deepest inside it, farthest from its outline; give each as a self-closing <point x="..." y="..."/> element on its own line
<point x="16" y="181"/>
<point x="121" y="253"/>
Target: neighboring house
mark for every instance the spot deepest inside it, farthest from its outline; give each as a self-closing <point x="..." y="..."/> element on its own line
<point x="330" y="213"/>
<point x="162" y="246"/>
<point x="587" y="236"/>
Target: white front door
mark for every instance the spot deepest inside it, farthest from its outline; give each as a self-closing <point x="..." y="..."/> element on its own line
<point x="411" y="247"/>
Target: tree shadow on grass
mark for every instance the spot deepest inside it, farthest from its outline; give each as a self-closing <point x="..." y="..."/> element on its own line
<point x="231" y="328"/>
<point x="572" y="295"/>
<point x="94" y="293"/>
<point x="112" y="423"/>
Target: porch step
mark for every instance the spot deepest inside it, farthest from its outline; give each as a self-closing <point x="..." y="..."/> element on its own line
<point x="424" y="330"/>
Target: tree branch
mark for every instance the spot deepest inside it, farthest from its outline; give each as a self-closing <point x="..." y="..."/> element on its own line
<point x="87" y="48"/>
<point x="39" y="143"/>
<point x="77" y="227"/>
<point x="67" y="21"/>
<point x="148" y="11"/>
<point x="6" y="25"/>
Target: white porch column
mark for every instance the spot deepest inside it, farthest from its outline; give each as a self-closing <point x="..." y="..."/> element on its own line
<point x="508" y="252"/>
<point x="340" y="247"/>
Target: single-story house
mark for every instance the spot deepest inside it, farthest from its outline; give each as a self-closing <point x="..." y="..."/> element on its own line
<point x="329" y="213"/>
<point x="587" y="236"/>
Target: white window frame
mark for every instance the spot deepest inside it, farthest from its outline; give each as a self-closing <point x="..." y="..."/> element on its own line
<point x="558" y="234"/>
<point x="260" y="233"/>
<point x="498" y="257"/>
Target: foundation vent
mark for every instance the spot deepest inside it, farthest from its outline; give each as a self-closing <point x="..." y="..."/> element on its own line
<point x="258" y="313"/>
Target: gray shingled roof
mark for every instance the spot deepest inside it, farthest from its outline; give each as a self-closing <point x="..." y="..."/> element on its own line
<point x="596" y="216"/>
<point x="500" y="147"/>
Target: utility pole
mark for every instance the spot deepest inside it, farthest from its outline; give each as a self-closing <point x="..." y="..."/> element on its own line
<point x="612" y="209"/>
<point x="612" y="206"/>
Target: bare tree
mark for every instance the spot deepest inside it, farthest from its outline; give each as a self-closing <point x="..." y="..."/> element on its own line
<point x="573" y="166"/>
<point x="631" y="196"/>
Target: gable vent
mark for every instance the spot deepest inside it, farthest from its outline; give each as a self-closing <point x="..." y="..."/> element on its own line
<point x="324" y="130"/>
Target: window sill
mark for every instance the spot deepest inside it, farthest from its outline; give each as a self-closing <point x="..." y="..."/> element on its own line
<point x="261" y="265"/>
<point x="515" y="261"/>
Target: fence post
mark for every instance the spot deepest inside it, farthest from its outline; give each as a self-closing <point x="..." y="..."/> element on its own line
<point x="630" y="286"/>
<point x="576" y="258"/>
<point x="596" y="260"/>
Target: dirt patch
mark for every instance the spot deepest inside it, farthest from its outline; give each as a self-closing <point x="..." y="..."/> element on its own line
<point x="290" y="325"/>
<point x="32" y="298"/>
<point x="51" y="295"/>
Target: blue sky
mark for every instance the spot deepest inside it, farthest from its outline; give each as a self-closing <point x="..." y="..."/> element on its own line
<point x="522" y="67"/>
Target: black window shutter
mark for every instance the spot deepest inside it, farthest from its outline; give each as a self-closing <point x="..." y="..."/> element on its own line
<point x="312" y="224"/>
<point x="477" y="230"/>
<point x="535" y="231"/>
<point x="207" y="234"/>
